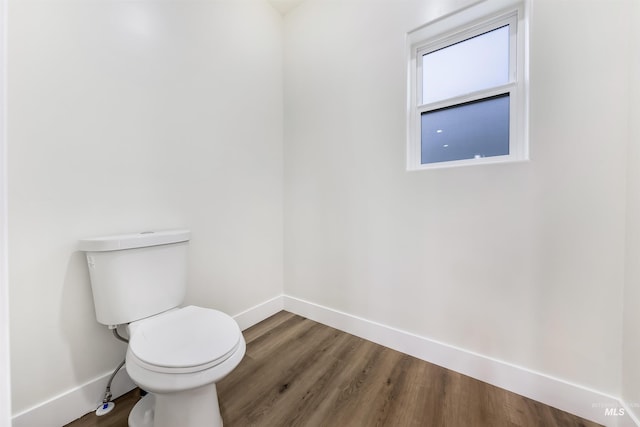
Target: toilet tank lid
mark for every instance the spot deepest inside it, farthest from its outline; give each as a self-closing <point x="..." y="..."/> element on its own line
<point x="133" y="240"/>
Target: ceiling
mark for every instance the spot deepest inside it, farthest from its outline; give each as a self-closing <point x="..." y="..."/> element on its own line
<point x="284" y="6"/>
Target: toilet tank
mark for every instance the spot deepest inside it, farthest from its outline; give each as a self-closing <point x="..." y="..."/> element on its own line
<point x="134" y="276"/>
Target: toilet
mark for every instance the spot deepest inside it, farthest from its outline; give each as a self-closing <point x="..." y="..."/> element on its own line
<point x="175" y="353"/>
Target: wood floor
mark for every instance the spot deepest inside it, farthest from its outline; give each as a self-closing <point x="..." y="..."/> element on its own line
<point x="300" y="373"/>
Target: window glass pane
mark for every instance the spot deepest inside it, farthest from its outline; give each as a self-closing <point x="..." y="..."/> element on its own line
<point x="466" y="131"/>
<point x="477" y="63"/>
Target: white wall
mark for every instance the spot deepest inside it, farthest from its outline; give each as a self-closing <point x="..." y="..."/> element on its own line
<point x="129" y="116"/>
<point x="5" y="386"/>
<point x="521" y="262"/>
<point x="631" y="343"/>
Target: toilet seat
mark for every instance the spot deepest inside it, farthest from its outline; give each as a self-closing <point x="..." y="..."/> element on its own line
<point x="185" y="340"/>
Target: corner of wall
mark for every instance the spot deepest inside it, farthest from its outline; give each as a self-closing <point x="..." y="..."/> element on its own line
<point x="631" y="299"/>
<point x="5" y="392"/>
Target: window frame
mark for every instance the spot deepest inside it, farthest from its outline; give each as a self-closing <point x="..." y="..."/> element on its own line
<point x="450" y="30"/>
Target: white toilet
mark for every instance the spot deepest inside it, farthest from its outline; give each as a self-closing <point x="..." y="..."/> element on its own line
<point x="175" y="353"/>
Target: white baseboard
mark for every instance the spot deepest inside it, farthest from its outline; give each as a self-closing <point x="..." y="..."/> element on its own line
<point x="572" y="398"/>
<point x="634" y="413"/>
<point x="259" y="312"/>
<point x="74" y="403"/>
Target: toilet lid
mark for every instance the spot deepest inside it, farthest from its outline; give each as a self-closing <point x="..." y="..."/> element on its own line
<point x="189" y="337"/>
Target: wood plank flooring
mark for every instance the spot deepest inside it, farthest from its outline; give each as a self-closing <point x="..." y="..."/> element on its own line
<point x="300" y="373"/>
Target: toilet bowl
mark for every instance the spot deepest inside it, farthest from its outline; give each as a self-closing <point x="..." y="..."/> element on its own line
<point x="178" y="356"/>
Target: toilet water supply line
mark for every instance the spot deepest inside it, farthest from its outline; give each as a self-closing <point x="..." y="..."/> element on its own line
<point x="107" y="405"/>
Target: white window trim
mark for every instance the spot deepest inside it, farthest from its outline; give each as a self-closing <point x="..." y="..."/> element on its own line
<point x="478" y="18"/>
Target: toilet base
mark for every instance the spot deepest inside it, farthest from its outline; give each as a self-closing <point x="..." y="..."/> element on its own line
<point x="142" y="413"/>
<point x="190" y="408"/>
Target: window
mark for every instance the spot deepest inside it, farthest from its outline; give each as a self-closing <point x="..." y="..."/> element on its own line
<point x="467" y="92"/>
